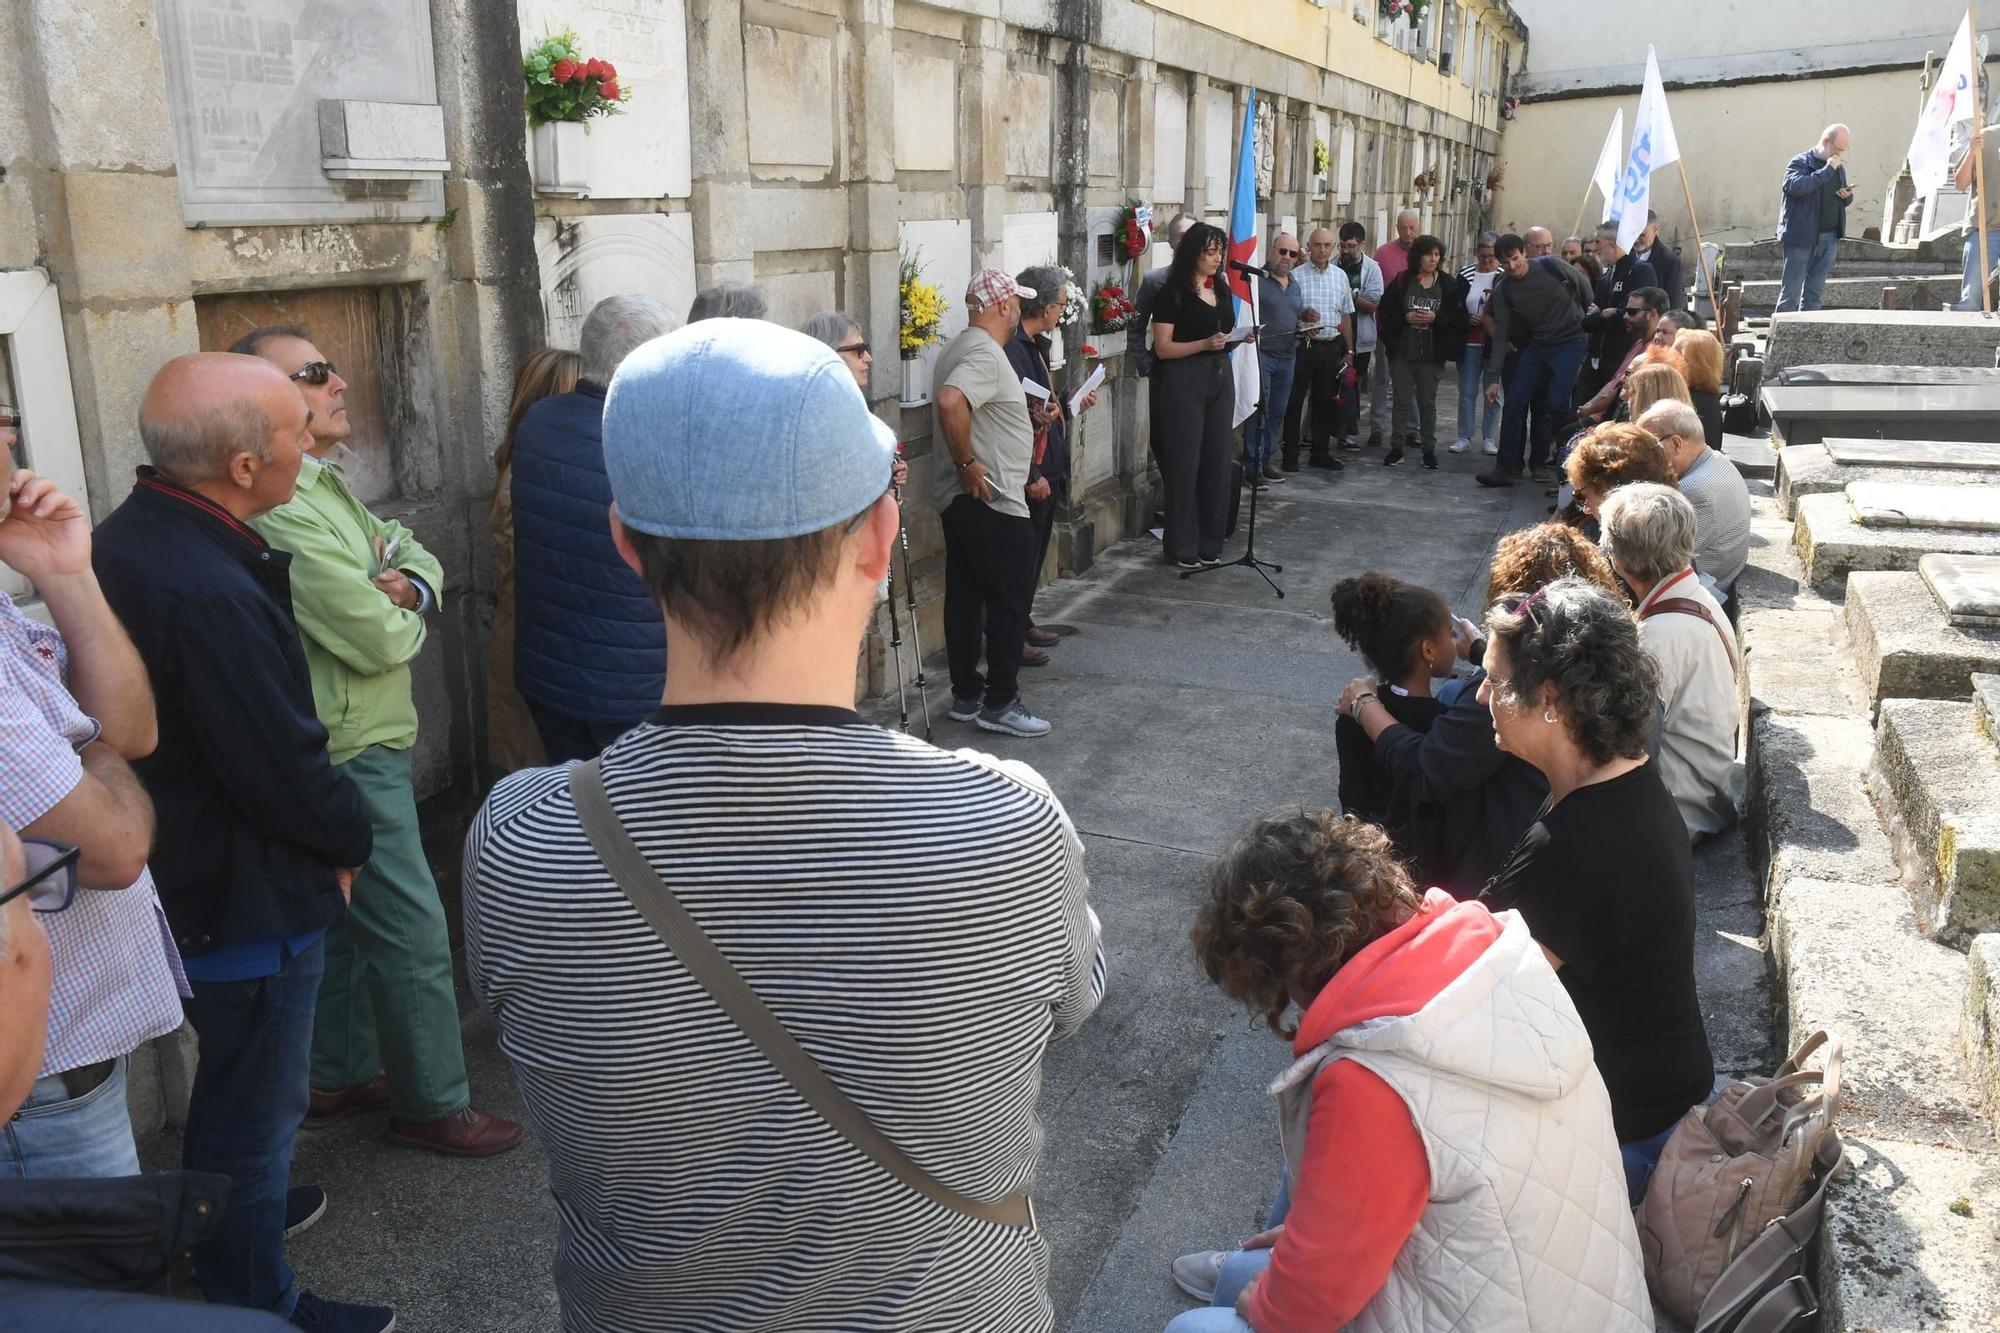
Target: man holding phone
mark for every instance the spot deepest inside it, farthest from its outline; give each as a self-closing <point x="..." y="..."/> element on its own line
<point x="360" y="588"/>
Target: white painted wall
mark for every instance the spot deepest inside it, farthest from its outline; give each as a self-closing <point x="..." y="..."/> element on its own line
<point x="1566" y="35"/>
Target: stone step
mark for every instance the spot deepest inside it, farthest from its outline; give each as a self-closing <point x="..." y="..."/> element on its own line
<point x="1937" y="503"/>
<point x="1986" y="698"/>
<point x="1809" y="811"/>
<point x="1810" y="413"/>
<point x="1753" y="456"/>
<point x="1920" y="291"/>
<point x="1831" y="543"/>
<point x="1881" y="337"/>
<point x="1937" y="780"/>
<point x="1813" y="469"/>
<point x="1904" y="644"/>
<point x="1979" y="1026"/>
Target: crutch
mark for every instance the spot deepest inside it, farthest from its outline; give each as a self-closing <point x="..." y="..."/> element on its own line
<point x="896" y="645"/>
<point x="916" y="638"/>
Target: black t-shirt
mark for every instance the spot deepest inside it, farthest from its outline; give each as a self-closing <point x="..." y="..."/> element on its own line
<point x="1367" y="793"/>
<point x="1193" y="318"/>
<point x="1605" y="881"/>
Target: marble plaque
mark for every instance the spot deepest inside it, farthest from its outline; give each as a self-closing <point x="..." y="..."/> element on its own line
<point x="926" y="112"/>
<point x="1895" y="504"/>
<point x="644" y="153"/>
<point x="943" y="250"/>
<point x="1219" y="171"/>
<point x="1028" y="239"/>
<point x="1170" y="131"/>
<point x="1030" y="124"/>
<point x="1968" y="455"/>
<point x="1967" y="588"/>
<point x="788" y="82"/>
<point x="1106" y="142"/>
<point x="245" y="79"/>
<point x="583" y="260"/>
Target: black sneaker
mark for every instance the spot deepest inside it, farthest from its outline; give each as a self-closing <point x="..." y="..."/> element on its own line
<point x="1393" y="457"/>
<point x="1351" y="445"/>
<point x="304" y="1205"/>
<point x="1374" y="439"/>
<point x="1431" y="459"/>
<point x="1291" y="463"/>
<point x="318" y="1316"/>
<point x="1328" y="462"/>
<point x="1254" y="481"/>
<point x="1274" y="479"/>
<point x="1539" y="473"/>
<point x="1210" y="561"/>
<point x="1497" y="476"/>
<point x="1189" y="564"/>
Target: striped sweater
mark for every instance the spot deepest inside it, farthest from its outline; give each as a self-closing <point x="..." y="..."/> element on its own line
<point x="917" y="919"/>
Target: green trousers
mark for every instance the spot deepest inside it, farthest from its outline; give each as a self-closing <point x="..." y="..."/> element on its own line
<point x="386" y="1003"/>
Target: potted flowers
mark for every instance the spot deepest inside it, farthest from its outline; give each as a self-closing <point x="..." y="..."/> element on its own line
<point x="565" y="91"/>
<point x="923" y="307"/>
<point x="1110" y="309"/>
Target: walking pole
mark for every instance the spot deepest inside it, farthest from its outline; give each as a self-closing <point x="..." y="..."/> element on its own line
<point x="916" y="637"/>
<point x="1701" y="256"/>
<point x="896" y="645"/>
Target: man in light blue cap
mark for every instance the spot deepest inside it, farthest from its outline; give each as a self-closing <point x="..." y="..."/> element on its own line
<point x="918" y="921"/>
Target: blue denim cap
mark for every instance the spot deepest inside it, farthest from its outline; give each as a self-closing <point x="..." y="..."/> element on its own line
<point x="741" y="430"/>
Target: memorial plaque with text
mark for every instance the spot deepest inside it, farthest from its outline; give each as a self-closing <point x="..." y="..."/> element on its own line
<point x="643" y="153"/>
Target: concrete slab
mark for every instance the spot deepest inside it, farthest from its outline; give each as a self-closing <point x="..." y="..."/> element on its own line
<point x="1966" y="588"/>
<point x="1939" y="779"/>
<point x="1752" y="455"/>
<point x="1796" y="660"/>
<point x="1887" y="504"/>
<point x="1979" y="1021"/>
<point x="1904" y="644"/>
<point x="1870" y="373"/>
<point x="1957" y="455"/>
<point x="1811" y="469"/>
<point x="1809" y="812"/>
<point x="1772" y="575"/>
<point x="1807" y="414"/>
<point x="1986" y="699"/>
<point x="1831" y="543"/>
<point x="1880" y="337"/>
<point x="1911" y="1240"/>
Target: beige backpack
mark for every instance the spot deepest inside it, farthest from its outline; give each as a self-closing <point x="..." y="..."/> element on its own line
<point x="1736" y="1199"/>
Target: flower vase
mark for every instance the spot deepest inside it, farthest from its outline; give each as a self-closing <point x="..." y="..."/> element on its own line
<point x="562" y="158"/>
<point x="916" y="380"/>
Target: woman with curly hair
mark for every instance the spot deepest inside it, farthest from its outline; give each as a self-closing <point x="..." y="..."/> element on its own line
<point x="1482" y="798"/>
<point x="1430" y="1141"/>
<point x="1613" y="455"/>
<point x="1603" y="874"/>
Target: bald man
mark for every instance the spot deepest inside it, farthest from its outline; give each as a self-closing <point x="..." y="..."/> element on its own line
<point x="1541" y="242"/>
<point x="1326" y="349"/>
<point x="1812" y="217"/>
<point x="258" y="834"/>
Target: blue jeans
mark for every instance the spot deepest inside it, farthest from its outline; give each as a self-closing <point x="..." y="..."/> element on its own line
<point x="1544" y="374"/>
<point x="1969" y="286"/>
<point x="1267" y="423"/>
<point x="1471" y="393"/>
<point x="87" y="1310"/>
<point x="59" y="1137"/>
<point x="1237" y="1271"/>
<point x="250" y="1094"/>
<point x="1806" y="267"/>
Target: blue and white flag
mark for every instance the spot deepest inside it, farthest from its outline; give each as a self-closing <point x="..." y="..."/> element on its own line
<point x="1653" y="146"/>
<point x="1606" y="175"/>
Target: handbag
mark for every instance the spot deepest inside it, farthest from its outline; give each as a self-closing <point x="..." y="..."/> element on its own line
<point x="649" y="894"/>
<point x="1741" y="1181"/>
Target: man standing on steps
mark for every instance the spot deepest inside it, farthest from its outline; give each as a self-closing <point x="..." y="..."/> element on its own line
<point x="980" y="481"/>
<point x="1392" y="258"/>
<point x="1325" y="353"/>
<point x="361" y="588"/>
<point x="1812" y="217"/>
<point x="1539" y="303"/>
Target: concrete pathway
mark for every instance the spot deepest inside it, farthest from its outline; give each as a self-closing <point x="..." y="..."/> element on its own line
<point x="1182" y="710"/>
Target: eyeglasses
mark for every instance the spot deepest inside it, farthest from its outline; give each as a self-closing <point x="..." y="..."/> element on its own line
<point x="855" y="349"/>
<point x="51" y="881"/>
<point x="314" y="373"/>
<point x="1290" y="254"/>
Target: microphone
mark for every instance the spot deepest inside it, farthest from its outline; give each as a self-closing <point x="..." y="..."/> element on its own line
<point x="1251" y="269"/>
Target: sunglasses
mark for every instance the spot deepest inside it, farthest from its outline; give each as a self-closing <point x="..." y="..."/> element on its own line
<point x="854" y="349"/>
<point x="1291" y="254"/>
<point x="314" y="373"/>
<point x="51" y="881"/>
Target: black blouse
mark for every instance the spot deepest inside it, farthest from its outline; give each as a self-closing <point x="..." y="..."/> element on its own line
<point x="1193" y="318"/>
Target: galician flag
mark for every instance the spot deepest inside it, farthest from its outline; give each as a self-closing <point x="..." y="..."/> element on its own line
<point x="1954" y="97"/>
<point x="1243" y="249"/>
<point x="1605" y="174"/>
<point x="1653" y="146"/>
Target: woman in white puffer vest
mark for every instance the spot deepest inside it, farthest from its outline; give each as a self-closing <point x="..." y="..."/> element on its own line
<point x="1450" y="1158"/>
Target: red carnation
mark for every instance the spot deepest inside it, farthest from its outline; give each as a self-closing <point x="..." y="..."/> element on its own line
<point x="563" y="71"/>
<point x="608" y="90"/>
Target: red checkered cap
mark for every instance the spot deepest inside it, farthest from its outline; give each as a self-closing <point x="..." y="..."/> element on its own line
<point x="990" y="286"/>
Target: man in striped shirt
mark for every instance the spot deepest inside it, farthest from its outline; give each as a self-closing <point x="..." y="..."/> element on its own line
<point x="916" y="919"/>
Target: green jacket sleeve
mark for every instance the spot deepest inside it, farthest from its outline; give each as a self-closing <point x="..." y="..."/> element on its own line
<point x="334" y="598"/>
<point x="412" y="558"/>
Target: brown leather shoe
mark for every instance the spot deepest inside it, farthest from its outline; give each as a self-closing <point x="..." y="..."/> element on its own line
<point x="331" y="1106"/>
<point x="1042" y="638"/>
<point x="1034" y="657"/>
<point x="470" y="1133"/>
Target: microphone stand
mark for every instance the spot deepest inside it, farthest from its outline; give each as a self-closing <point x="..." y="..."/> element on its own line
<point x="1249" y="556"/>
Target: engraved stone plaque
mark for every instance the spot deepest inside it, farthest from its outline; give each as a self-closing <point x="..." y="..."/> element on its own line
<point x="643" y="153"/>
<point x="584" y="260"/>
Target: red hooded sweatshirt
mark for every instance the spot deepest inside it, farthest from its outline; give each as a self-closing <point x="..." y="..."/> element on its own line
<point x="1364" y="1179"/>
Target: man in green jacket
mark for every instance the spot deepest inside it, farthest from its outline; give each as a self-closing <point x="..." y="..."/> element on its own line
<point x="360" y="588"/>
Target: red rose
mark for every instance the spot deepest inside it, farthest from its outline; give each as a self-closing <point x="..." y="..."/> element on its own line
<point x="563" y="71"/>
<point x="593" y="68"/>
<point x="608" y="90"/>
<point x="610" y="70"/>
<point x="1087" y="350"/>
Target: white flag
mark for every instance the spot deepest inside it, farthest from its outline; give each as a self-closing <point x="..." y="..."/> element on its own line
<point x="1605" y="174"/>
<point x="1653" y="146"/>
<point x="1954" y="97"/>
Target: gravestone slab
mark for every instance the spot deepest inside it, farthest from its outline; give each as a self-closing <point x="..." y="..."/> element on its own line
<point x="1891" y="504"/>
<point x="1028" y="239"/>
<point x="1831" y="543"/>
<point x="1871" y="373"/>
<point x="1809" y="413"/>
<point x="644" y="153"/>
<point x="1880" y="337"/>
<point x="925" y="84"/>
<point x="1967" y="588"/>
<point x="1809" y="469"/>
<point x="245" y="83"/>
<point x="583" y="260"/>
<point x="1904" y="642"/>
<point x="1170" y="131"/>
<point x="1969" y="455"/>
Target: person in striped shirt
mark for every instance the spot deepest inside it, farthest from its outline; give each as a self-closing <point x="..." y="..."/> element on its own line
<point x="916" y="919"/>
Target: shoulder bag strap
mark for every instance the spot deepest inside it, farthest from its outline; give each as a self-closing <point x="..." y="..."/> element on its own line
<point x="646" y="891"/>
<point x="1687" y="606"/>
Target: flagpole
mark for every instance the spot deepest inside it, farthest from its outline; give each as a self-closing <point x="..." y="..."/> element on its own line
<point x="1979" y="169"/>
<point x="1581" y="209"/>
<point x="1701" y="256"/>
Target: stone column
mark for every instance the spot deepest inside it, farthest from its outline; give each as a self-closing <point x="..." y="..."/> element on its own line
<point x="1197" y="144"/>
<point x="871" y="265"/>
<point x="102" y="170"/>
<point x="1129" y="398"/>
<point x="983" y="164"/>
<point x="719" y="140"/>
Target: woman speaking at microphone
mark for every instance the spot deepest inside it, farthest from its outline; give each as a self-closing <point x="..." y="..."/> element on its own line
<point x="1192" y="317"/>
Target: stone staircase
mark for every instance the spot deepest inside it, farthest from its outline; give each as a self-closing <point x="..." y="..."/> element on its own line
<point x="1871" y="688"/>
<point x="1925" y="276"/>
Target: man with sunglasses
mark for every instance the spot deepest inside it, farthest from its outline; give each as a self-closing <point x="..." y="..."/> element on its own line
<point x="360" y="588"/>
<point x="75" y="707"/>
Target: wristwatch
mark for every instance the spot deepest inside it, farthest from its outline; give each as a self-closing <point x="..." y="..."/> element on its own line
<point x="1354" y="709"/>
<point x="960" y="467"/>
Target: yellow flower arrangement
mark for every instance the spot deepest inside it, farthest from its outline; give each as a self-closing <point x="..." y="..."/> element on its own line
<point x="923" y="307"/>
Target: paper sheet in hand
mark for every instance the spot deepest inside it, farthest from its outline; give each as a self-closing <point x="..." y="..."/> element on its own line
<point x="1089" y="387"/>
<point x="1244" y="333"/>
<point x="1035" y="390"/>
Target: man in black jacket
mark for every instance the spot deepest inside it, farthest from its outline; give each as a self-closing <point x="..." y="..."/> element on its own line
<point x="1650" y="249"/>
<point x="259" y="835"/>
<point x="1624" y="273"/>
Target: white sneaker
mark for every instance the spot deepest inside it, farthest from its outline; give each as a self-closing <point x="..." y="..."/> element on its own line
<point x="1490" y="449"/>
<point x="1460" y="446"/>
<point x="1197" y="1273"/>
<point x="1014" y="719"/>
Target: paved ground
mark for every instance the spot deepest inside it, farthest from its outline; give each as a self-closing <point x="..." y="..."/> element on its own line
<point x="1182" y="710"/>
